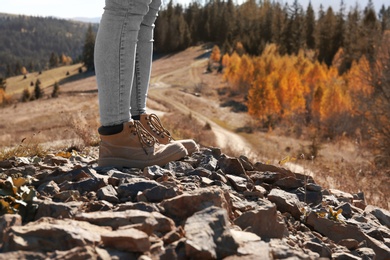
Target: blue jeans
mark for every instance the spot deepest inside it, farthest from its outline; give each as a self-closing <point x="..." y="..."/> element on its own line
<point x="123" y="58"/>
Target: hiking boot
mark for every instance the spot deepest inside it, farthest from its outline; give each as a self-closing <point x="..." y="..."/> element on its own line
<point x="135" y="147"/>
<point x="152" y="123"/>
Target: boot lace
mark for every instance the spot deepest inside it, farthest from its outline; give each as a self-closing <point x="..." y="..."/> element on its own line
<point x="157" y="127"/>
<point x="145" y="138"/>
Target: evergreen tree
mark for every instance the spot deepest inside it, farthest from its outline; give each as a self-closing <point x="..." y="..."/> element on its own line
<point x="56" y="90"/>
<point x="324" y="36"/>
<point x="371" y="32"/>
<point x="89" y="48"/>
<point x="3" y="83"/>
<point x="38" y="93"/>
<point x="54" y="60"/>
<point x="310" y="23"/>
<point x="26" y="96"/>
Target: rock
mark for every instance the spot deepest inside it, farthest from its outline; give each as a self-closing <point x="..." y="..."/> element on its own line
<point x="322" y="250"/>
<point x="49" y="188"/>
<point x="23" y="255"/>
<point x="208" y="162"/>
<point x="185" y="205"/>
<point x="58" y="210"/>
<point x="80" y="253"/>
<point x="231" y="166"/>
<point x="84" y="186"/>
<point x="208" y="205"/>
<point x="263" y="221"/>
<point x="6" y="222"/>
<point x="157" y="221"/>
<point x="286" y="202"/>
<point x="250" y="244"/>
<point x="154" y="172"/>
<point x="159" y="193"/>
<point x="130" y="190"/>
<point x="38" y="236"/>
<point x="342" y="196"/>
<point x="349" y="243"/>
<point x="307" y="196"/>
<point x="344" y="256"/>
<point x="365" y="253"/>
<point x="245" y="162"/>
<point x="131" y="240"/>
<point x="339" y="231"/>
<point x="201" y="172"/>
<point x="179" y="167"/>
<point x="108" y="193"/>
<point x="67" y="196"/>
<point x="381" y="214"/>
<point x="238" y="183"/>
<point x="208" y="236"/>
<point x="7" y="164"/>
<point x="289" y="183"/>
<point x="261" y="167"/>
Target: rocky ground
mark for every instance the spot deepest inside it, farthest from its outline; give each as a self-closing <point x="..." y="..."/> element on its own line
<point x="207" y="206"/>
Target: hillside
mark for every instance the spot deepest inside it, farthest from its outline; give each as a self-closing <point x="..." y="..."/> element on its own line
<point x="181" y="92"/>
<point x="29" y="41"/>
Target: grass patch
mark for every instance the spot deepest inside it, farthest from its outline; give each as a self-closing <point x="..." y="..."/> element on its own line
<point x="16" y="85"/>
<point x="28" y="147"/>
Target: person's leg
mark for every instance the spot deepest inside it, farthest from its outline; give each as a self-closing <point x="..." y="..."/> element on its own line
<point x="115" y="50"/>
<point x="124" y="142"/>
<point x="143" y="61"/>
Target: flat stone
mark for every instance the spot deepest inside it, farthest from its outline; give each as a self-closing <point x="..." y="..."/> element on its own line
<point x="185" y="205"/>
<point x="208" y="236"/>
<point x="131" y="240"/>
<point x="286" y="202"/>
<point x="38" y="236"/>
<point x="238" y="183"/>
<point x="108" y="193"/>
<point x="231" y="165"/>
<point x="263" y="221"/>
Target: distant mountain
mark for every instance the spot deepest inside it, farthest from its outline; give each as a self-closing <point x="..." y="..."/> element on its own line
<point x="29" y="41"/>
<point x="86" y="19"/>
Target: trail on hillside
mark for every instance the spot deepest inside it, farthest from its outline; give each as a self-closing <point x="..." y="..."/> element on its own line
<point x="225" y="139"/>
<point x="165" y="82"/>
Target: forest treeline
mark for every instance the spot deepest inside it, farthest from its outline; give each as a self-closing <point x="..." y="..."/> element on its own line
<point x="257" y="23"/>
<point x="326" y="71"/>
<point x="29" y="43"/>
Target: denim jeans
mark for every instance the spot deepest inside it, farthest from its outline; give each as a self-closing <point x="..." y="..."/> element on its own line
<point x="123" y="58"/>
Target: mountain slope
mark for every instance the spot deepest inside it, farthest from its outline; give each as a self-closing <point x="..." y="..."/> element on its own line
<point x="29" y="41"/>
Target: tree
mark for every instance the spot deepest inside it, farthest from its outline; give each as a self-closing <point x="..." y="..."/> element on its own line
<point x="3" y="83"/>
<point x="56" y="90"/>
<point x="215" y="54"/>
<point x="89" y="48"/>
<point x="54" y="60"/>
<point x="38" y="93"/>
<point x="310" y="23"/>
<point x="26" y="96"/>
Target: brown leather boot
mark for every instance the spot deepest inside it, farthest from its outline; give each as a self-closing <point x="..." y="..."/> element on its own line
<point x="152" y="123"/>
<point x="135" y="147"/>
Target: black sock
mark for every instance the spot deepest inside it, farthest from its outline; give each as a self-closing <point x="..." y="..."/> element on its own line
<point x="137" y="117"/>
<point x="110" y="130"/>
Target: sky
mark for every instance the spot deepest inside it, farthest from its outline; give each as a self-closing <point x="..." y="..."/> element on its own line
<point x="94" y="8"/>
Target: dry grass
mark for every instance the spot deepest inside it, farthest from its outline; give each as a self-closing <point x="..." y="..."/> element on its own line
<point x="28" y="147"/>
<point x="184" y="126"/>
<point x="16" y="85"/>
